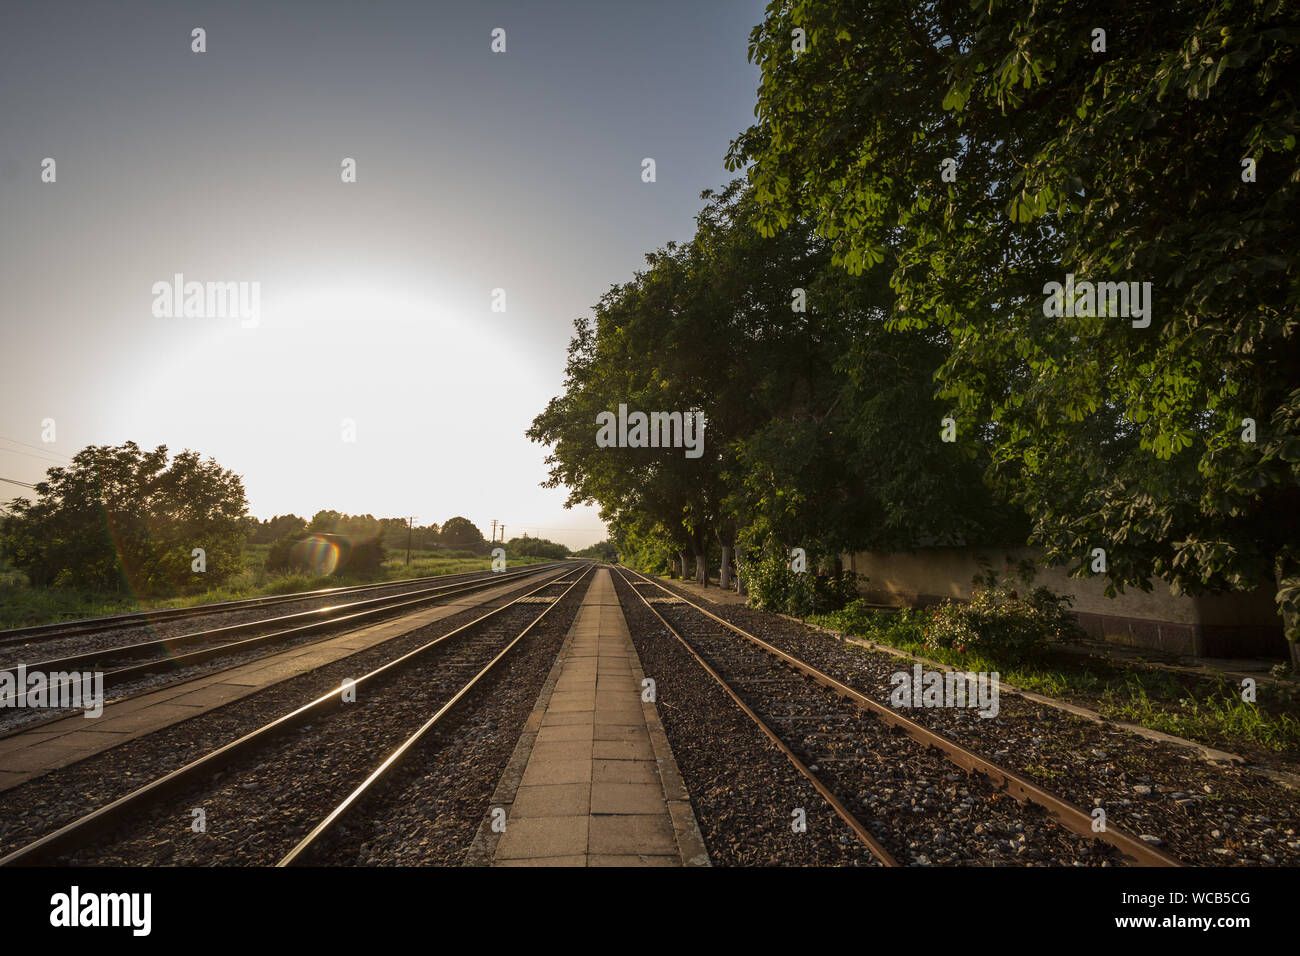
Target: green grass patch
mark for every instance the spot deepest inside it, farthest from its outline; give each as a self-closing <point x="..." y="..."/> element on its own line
<point x="24" y="606"/>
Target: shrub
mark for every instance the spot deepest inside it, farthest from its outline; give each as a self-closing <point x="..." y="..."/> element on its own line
<point x="999" y="625"/>
<point x="773" y="586"/>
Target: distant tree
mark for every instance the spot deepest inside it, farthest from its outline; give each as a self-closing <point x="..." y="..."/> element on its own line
<point x="119" y="517"/>
<point x="600" y="551"/>
<point x="273" y="529"/>
<point x="332" y="542"/>
<point x="461" y="533"/>
<point x="397" y="532"/>
<point x="536" y="548"/>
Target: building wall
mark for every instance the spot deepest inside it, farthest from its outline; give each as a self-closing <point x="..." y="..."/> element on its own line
<point x="1222" y="625"/>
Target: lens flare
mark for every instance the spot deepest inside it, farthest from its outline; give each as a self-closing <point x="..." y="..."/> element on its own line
<point x="317" y="553"/>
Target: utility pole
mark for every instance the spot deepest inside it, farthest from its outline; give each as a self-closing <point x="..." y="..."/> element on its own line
<point x="409" y="519"/>
<point x="494" y="530"/>
<point x="503" y="534"/>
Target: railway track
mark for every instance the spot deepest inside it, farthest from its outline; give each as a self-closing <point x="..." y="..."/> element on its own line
<point x="865" y="759"/>
<point x="126" y="663"/>
<point x="20" y="636"/>
<point x="315" y="845"/>
<point x="308" y="753"/>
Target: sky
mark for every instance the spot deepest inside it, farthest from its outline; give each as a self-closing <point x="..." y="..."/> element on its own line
<point x="376" y="376"/>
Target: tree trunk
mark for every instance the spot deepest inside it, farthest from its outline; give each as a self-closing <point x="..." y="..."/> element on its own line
<point x="701" y="569"/>
<point x="681" y="558"/>
<point x="724" y="573"/>
<point x="1283" y="569"/>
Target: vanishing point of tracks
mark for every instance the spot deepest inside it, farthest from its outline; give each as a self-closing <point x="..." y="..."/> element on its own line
<point x="867" y="760"/>
<point x="311" y="766"/>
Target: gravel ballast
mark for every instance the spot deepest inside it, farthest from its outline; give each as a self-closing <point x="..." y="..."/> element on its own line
<point x="1201" y="813"/>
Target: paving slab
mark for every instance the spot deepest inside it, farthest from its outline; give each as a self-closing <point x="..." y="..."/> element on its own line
<point x="593" y="781"/>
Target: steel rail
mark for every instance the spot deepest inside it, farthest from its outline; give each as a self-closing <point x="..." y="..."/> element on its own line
<point x="86" y="828"/>
<point x="844" y="813"/>
<point x="326" y="617"/>
<point x="297" y="855"/>
<point x="1069" y="815"/>
<point x="110" y="622"/>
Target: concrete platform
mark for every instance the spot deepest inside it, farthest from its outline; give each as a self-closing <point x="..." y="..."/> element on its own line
<point x="50" y="745"/>
<point x="593" y="781"/>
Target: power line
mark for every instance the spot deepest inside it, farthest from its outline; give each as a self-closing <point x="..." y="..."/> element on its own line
<point x="12" y="482"/>
<point x="27" y="454"/>
<point x="44" y="451"/>
<point x="540" y="527"/>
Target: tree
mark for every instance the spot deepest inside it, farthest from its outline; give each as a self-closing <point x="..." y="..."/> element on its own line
<point x="759" y="331"/>
<point x="119" y="517"/>
<point x="461" y="533"/>
<point x="332" y="543"/>
<point x="273" y="529"/>
<point x="609" y="366"/>
<point x="600" y="551"/>
<point x="1163" y="152"/>
<point x="526" y="547"/>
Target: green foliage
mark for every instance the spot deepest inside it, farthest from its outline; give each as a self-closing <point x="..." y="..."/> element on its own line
<point x="332" y="543"/>
<point x="644" y="545"/>
<point x="821" y="423"/>
<point x="1206" y="710"/>
<point x="1122" y="165"/>
<point x="120" y="518"/>
<point x="600" y="551"/>
<point x="903" y="627"/>
<point x="462" y="534"/>
<point x="998" y="624"/>
<point x="273" y="529"/>
<point x="1220" y="716"/>
<point x="537" y="548"/>
<point x="774" y="586"/>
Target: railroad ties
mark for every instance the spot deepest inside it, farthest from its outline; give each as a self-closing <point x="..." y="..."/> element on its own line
<point x="559" y="715"/>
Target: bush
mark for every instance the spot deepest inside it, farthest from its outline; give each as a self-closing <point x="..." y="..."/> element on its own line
<point x="894" y="626"/>
<point x="773" y="586"/>
<point x="999" y="625"/>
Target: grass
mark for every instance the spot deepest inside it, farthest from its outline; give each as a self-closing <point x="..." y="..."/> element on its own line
<point x="1205" y="708"/>
<point x="22" y="605"/>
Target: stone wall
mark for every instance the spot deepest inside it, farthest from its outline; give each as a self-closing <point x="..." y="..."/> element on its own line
<point x="1222" y="625"/>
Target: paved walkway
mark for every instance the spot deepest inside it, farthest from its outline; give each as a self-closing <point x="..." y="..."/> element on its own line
<point x="593" y="782"/>
<point x="49" y="746"/>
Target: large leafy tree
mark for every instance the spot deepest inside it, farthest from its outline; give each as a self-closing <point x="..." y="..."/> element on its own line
<point x="634" y="353"/>
<point x="802" y="449"/>
<point x="460" y="532"/>
<point x="119" y="517"/>
<point x="1163" y="152"/>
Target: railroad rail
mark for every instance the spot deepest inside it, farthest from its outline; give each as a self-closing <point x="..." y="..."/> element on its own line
<point x="1061" y="811"/>
<point x="87" y="829"/>
<point x="112" y="622"/>
<point x="301" y="853"/>
<point x="300" y="624"/>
